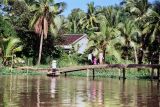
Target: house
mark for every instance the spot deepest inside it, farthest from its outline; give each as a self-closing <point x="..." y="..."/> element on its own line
<point x="74" y="42"/>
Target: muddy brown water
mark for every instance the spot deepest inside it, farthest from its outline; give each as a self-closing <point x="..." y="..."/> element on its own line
<point x="43" y="91"/>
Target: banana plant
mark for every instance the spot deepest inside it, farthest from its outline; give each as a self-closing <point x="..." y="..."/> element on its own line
<point x="9" y="47"/>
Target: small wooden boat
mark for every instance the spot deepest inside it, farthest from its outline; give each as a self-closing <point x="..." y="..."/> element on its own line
<point x="52" y="75"/>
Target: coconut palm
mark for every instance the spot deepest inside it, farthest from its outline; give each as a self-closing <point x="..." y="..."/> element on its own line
<point x="113" y="15"/>
<point x="153" y="21"/>
<point x="102" y="39"/>
<point x="45" y="11"/>
<point x="76" y="19"/>
<point x="91" y="17"/>
<point x="130" y="32"/>
<point x="61" y="25"/>
<point x="151" y="28"/>
<point x="136" y="7"/>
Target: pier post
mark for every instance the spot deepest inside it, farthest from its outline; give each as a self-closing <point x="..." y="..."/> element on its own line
<point x="119" y="70"/>
<point x="93" y="73"/>
<point x="87" y="72"/>
<point x="65" y="74"/>
<point x="152" y="73"/>
<point x="158" y="74"/>
<point x="124" y="73"/>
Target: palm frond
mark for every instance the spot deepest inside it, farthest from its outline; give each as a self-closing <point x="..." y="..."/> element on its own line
<point x="11" y="45"/>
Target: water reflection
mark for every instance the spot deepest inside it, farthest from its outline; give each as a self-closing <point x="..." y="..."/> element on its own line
<point x="53" y="87"/>
<point x="41" y="91"/>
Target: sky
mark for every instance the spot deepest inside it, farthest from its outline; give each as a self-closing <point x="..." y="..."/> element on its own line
<point x="82" y="4"/>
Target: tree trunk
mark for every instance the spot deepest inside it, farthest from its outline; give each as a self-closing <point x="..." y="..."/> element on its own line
<point x="135" y="55"/>
<point x="40" y="49"/>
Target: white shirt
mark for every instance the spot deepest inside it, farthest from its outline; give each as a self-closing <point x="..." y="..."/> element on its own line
<point x="54" y="64"/>
<point x="89" y="56"/>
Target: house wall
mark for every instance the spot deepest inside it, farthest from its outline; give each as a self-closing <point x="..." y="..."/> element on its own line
<point x="81" y="45"/>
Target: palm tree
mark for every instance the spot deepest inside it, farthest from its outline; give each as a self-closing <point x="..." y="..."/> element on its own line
<point x="113" y="15"/>
<point x="61" y="24"/>
<point x="153" y="21"/>
<point x="151" y="27"/>
<point x="91" y="17"/>
<point x="102" y="39"/>
<point x="45" y="11"/>
<point x="76" y="19"/>
<point x="136" y="7"/>
<point x="129" y="32"/>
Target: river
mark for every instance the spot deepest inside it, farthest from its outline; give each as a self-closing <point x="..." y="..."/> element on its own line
<point x="43" y="91"/>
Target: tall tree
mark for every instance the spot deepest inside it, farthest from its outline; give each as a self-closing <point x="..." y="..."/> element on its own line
<point x="45" y="11"/>
<point x="102" y="38"/>
<point x="76" y="19"/>
<point x="152" y="27"/>
<point x="91" y="17"/>
<point x="129" y="31"/>
<point x="136" y="7"/>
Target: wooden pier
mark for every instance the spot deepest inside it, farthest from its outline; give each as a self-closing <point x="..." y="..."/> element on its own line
<point x="122" y="69"/>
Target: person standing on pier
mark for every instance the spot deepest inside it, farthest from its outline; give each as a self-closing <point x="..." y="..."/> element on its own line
<point x="90" y="55"/>
<point x="94" y="60"/>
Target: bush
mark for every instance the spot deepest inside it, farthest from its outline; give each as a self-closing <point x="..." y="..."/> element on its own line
<point x="111" y="59"/>
<point x="67" y="60"/>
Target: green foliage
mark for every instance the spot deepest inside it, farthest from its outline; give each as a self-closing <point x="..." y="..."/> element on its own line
<point x="111" y="59"/>
<point x="6" y="29"/>
<point x="117" y="31"/>
<point x="76" y="20"/>
<point x="10" y="47"/>
<point x="31" y="47"/>
<point x="67" y="60"/>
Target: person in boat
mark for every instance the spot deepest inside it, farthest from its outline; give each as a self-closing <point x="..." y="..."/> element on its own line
<point x="54" y="67"/>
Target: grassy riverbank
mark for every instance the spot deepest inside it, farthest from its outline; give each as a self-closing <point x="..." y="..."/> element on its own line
<point x="109" y="73"/>
<point x="12" y="71"/>
<point x="114" y="73"/>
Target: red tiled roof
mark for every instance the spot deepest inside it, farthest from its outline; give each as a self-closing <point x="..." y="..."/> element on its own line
<point x="68" y="39"/>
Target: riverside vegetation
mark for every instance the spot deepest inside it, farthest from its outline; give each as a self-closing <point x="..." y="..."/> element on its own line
<point x="126" y="33"/>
